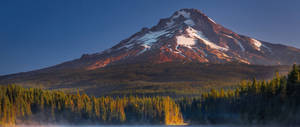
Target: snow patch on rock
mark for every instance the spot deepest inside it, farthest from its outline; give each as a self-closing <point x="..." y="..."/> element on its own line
<point x="171" y="23"/>
<point x="189" y="22"/>
<point x="146" y="47"/>
<point x="212" y="20"/>
<point x="183" y="13"/>
<point x="186" y="41"/>
<point x="146" y="40"/>
<point x="259" y="44"/>
<point x="151" y="37"/>
<point x="239" y="43"/>
<point x="191" y="38"/>
<point x="256" y="43"/>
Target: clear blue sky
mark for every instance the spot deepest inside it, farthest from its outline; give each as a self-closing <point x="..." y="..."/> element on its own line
<point x="39" y="33"/>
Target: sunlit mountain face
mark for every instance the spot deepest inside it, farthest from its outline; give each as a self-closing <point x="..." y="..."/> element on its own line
<point x="188" y="36"/>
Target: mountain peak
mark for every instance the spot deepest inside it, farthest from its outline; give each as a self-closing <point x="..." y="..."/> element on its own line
<point x="186" y="17"/>
<point x="189" y="11"/>
<point x="189" y="36"/>
<point x="193" y="14"/>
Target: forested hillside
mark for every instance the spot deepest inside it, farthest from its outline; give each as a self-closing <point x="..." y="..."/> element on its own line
<point x="36" y="106"/>
<point x="166" y="79"/>
<point x="255" y="102"/>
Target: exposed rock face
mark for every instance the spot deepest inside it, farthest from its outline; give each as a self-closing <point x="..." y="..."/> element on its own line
<point x="188" y="36"/>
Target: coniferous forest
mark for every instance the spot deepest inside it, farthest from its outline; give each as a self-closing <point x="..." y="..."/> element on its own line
<point x="253" y="102"/>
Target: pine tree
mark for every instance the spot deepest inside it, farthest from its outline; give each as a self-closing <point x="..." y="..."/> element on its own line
<point x="294" y="75"/>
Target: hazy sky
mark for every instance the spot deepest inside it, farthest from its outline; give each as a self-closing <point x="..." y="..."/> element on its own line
<point x="39" y="33"/>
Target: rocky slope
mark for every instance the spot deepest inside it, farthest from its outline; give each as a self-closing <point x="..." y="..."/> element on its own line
<point x="188" y="36"/>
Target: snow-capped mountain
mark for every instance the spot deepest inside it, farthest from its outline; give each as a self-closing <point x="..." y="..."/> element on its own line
<point x="188" y="36"/>
<point x="165" y="58"/>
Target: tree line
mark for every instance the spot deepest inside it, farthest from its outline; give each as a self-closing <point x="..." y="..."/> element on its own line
<point x="253" y="102"/>
<point x="37" y="106"/>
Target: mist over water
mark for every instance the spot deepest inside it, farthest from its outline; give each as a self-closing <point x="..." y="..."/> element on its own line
<point x="119" y="126"/>
<point x="111" y="126"/>
<point x="147" y="126"/>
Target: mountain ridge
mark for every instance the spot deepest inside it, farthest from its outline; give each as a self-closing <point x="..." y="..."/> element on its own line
<point x="188" y="36"/>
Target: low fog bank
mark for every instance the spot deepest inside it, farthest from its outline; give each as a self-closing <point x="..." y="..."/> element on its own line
<point x="151" y="126"/>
